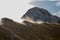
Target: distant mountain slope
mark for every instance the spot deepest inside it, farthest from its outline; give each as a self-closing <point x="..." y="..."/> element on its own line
<point x="39" y="14"/>
<point x="58" y="18"/>
<point x="17" y="31"/>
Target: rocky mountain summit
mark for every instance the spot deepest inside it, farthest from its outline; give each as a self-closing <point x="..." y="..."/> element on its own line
<point x="41" y="15"/>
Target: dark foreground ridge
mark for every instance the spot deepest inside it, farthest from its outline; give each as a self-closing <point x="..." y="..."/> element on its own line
<point x="18" y="31"/>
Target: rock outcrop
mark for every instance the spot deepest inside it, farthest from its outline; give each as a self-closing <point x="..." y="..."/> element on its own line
<point x="6" y="20"/>
<point x="58" y="18"/>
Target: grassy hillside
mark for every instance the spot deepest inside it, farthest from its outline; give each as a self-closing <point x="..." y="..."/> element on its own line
<point x="17" y="31"/>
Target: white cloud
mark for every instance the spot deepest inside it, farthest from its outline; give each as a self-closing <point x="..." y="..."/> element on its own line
<point x="57" y="13"/>
<point x="58" y="3"/>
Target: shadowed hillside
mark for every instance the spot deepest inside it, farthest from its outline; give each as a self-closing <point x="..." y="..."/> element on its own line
<point x="11" y="30"/>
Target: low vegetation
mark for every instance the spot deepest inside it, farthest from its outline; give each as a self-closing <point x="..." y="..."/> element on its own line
<point x="17" y="31"/>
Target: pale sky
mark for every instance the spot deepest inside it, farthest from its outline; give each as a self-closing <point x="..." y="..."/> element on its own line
<point x="14" y="9"/>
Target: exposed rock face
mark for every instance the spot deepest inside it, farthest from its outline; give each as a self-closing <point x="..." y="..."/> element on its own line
<point x="27" y="23"/>
<point x="39" y="14"/>
<point x="6" y="20"/>
<point x="58" y="18"/>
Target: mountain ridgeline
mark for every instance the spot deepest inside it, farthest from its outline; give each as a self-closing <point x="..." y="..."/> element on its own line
<point x="11" y="30"/>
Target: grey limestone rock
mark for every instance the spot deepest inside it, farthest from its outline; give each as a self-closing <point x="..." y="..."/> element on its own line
<point x="39" y="14"/>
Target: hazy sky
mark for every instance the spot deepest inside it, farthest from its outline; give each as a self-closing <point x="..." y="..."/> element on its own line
<point x="52" y="6"/>
<point x="14" y="9"/>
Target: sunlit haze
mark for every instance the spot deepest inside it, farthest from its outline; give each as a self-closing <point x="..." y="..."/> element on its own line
<point x="14" y="9"/>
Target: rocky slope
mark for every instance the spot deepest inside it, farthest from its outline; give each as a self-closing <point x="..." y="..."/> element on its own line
<point x="58" y="18"/>
<point x="39" y="14"/>
<point x="11" y="30"/>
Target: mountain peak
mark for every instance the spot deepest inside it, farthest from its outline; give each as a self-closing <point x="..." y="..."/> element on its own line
<point x="39" y="14"/>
